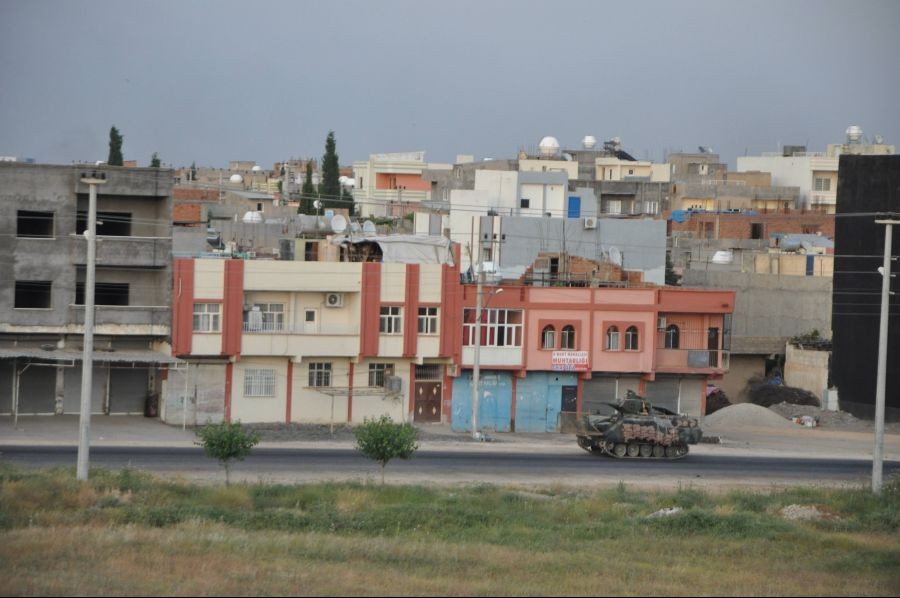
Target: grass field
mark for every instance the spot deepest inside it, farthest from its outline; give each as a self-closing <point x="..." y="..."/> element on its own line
<point x="126" y="533"/>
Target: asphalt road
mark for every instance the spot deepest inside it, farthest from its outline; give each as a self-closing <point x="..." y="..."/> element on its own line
<point x="454" y="466"/>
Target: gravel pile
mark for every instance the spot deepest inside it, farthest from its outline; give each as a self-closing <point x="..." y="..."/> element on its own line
<point x="744" y="415"/>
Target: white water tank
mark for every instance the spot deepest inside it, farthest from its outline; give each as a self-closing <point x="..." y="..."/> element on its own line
<point x="548" y="147"/>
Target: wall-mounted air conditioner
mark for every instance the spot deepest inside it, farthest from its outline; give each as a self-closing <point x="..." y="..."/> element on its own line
<point x="334" y="300"/>
<point x="590" y="222"/>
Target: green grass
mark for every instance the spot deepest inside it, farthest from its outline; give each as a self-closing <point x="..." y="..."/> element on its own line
<point x="125" y="532"/>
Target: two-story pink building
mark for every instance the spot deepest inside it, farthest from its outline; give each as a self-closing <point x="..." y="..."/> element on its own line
<point x="547" y="350"/>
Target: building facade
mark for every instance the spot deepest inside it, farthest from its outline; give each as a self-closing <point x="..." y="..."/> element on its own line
<point x="44" y="215"/>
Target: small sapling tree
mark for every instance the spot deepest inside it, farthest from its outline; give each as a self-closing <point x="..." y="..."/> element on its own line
<point x="382" y="440"/>
<point x="226" y="442"/>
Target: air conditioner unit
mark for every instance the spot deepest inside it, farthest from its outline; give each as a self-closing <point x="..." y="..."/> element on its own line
<point x="334" y="300"/>
<point x="590" y="222"/>
<point x="661" y="323"/>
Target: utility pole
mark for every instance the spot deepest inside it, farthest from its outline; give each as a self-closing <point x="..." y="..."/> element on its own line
<point x="888" y="220"/>
<point x="476" y="368"/>
<point x="87" y="360"/>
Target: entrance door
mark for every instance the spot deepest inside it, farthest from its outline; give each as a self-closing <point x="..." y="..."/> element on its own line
<point x="428" y="391"/>
<point x="569" y="399"/>
<point x="712" y="343"/>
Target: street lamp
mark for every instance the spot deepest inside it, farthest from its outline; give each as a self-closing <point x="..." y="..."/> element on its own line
<point x="889" y="220"/>
<point x="87" y="360"/>
<point x="476" y="368"/>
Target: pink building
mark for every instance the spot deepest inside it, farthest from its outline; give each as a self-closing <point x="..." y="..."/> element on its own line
<point x="548" y="350"/>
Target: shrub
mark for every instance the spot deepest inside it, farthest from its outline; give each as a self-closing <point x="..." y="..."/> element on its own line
<point x="382" y="440"/>
<point x="226" y="442"/>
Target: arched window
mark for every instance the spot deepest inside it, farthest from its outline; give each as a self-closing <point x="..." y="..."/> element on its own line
<point x="567" y="338"/>
<point x="612" y="338"/>
<point x="631" y="339"/>
<point x="548" y="338"/>
<point x="672" y="334"/>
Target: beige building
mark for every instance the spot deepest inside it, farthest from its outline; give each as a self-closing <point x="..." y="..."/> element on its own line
<point x="391" y="185"/>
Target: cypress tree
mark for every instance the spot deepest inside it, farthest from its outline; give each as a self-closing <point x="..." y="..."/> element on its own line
<point x="330" y="188"/>
<point x="115" y="148"/>
<point x="155" y="161"/>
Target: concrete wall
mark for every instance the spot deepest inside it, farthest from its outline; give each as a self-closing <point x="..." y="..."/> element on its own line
<point x="642" y="243"/>
<point x="770" y="307"/>
<point x="807" y="369"/>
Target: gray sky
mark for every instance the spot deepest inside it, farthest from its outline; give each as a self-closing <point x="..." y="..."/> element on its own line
<point x="216" y="81"/>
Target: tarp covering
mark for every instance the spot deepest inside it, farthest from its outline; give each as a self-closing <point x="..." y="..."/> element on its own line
<point x="130" y="356"/>
<point x="405" y="249"/>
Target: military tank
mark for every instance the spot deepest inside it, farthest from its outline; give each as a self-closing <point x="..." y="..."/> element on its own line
<point x="638" y="430"/>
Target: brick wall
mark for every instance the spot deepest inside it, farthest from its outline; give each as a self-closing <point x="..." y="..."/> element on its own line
<point x="740" y="226"/>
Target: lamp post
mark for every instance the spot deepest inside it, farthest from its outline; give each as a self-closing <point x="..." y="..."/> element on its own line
<point x="889" y="220"/>
<point x="87" y="360"/>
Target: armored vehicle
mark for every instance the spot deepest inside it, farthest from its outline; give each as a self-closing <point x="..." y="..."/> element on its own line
<point x="638" y="430"/>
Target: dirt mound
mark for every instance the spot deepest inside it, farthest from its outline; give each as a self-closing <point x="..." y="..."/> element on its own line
<point x="746" y="414"/>
<point x="827" y="419"/>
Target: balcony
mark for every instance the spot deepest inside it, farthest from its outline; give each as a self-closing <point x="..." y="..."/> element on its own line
<point x="693" y="360"/>
<point x="277" y="339"/>
<point x="137" y="252"/>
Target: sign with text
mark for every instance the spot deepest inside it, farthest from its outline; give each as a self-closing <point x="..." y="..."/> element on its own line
<point x="570" y="361"/>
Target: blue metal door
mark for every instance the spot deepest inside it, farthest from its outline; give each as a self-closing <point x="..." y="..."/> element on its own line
<point x="574" y="207"/>
<point x="539" y="399"/>
<point x="494" y="405"/>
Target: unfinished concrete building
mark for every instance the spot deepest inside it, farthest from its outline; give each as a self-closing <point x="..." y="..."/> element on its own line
<point x="43" y="215"/>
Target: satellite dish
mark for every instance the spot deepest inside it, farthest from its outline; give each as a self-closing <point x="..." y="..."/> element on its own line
<point x="355" y="227"/>
<point x="317" y="204"/>
<point x="256" y="168"/>
<point x="369" y="227"/>
<point x="338" y="224"/>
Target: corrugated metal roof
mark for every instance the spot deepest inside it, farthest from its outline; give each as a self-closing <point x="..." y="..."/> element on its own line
<point x="131" y="356"/>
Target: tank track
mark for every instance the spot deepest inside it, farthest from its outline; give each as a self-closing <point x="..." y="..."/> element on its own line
<point x="634" y="450"/>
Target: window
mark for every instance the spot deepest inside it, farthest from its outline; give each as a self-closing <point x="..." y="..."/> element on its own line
<point x="34" y="225"/>
<point x="259" y="383"/>
<point x="33" y="294"/>
<point x="377" y="372"/>
<point x="105" y="293"/>
<point x="823" y="184"/>
<point x="206" y="317"/>
<point x="524" y="202"/>
<point x="499" y="327"/>
<point x="548" y="338"/>
<point x="428" y="320"/>
<point x="612" y="338"/>
<point x="567" y="338"/>
<point x="109" y="224"/>
<point x="310" y="315"/>
<point x="390" y="321"/>
<point x="264" y="317"/>
<point x="672" y="336"/>
<point x="631" y="339"/>
<point x="320" y="374"/>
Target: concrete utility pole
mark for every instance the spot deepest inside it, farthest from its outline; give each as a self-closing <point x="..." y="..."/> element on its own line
<point x="476" y="368"/>
<point x="87" y="360"/>
<point x="878" y="454"/>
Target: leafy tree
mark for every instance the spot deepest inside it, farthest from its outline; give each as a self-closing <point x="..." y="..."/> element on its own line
<point x="330" y="189"/>
<point x="382" y="440"/>
<point x="193" y="171"/>
<point x="115" y="148"/>
<point x="154" y="161"/>
<point x="226" y="442"/>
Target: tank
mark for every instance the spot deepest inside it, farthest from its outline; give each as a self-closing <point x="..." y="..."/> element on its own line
<point x="638" y="430"/>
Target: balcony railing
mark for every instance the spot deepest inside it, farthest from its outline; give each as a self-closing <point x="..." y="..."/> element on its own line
<point x="282" y="328"/>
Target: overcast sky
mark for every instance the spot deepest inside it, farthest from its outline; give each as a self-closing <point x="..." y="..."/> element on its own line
<point x="217" y="81"/>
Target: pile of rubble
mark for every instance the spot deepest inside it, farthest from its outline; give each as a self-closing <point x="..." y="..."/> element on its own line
<point x="825" y="419"/>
